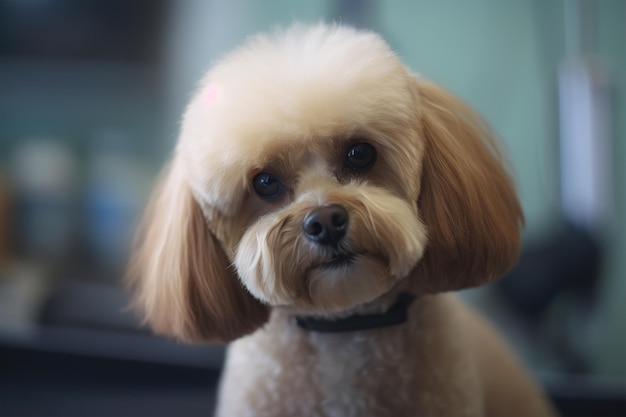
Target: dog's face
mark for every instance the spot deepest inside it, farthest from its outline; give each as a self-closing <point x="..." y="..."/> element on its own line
<point x="314" y="171"/>
<point x="306" y="170"/>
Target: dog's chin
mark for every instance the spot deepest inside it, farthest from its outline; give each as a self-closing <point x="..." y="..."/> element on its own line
<point x="332" y="285"/>
<point x="344" y="282"/>
<point x="340" y="260"/>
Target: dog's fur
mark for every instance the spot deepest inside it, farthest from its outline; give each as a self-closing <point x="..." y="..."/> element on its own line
<point x="436" y="212"/>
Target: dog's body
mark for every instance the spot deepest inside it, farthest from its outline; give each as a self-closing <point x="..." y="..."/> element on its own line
<point x="445" y="361"/>
<point x="317" y="177"/>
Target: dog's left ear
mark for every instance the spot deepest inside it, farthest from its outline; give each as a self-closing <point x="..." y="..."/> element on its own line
<point x="467" y="199"/>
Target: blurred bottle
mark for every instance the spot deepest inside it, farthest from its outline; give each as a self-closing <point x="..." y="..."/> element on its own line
<point x="118" y="180"/>
<point x="45" y="178"/>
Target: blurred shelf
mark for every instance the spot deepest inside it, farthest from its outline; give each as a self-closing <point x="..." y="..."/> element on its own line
<point x="107" y="344"/>
<point x="41" y="383"/>
<point x="93" y="320"/>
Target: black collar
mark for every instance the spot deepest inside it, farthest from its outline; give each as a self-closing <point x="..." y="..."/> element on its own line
<point x="397" y="314"/>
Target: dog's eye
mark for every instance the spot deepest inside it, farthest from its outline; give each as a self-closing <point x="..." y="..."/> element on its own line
<point x="361" y="156"/>
<point x="267" y="186"/>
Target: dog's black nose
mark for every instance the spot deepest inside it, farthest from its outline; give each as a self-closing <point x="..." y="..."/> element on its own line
<point x="326" y="225"/>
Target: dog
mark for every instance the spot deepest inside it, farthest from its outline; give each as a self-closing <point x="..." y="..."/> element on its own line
<point x="322" y="203"/>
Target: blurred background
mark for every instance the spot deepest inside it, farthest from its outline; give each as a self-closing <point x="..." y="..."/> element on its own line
<point x="91" y="94"/>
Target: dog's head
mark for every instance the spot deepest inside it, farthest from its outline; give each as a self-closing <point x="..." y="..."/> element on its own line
<point x="315" y="171"/>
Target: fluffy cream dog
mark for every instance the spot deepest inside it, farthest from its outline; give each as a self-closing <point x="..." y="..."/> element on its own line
<point x="321" y="201"/>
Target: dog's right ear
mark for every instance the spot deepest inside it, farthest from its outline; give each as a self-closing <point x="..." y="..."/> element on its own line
<point x="182" y="281"/>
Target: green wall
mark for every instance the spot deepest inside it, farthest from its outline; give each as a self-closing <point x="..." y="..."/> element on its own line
<point x="611" y="47"/>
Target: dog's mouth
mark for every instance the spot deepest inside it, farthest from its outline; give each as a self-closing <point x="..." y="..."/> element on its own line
<point x="340" y="260"/>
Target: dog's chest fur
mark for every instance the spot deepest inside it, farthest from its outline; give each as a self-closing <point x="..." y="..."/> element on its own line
<point x="283" y="370"/>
